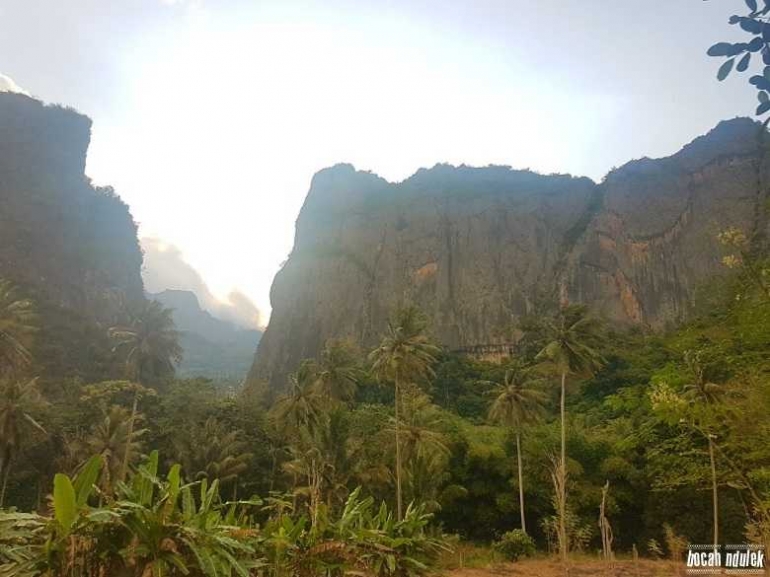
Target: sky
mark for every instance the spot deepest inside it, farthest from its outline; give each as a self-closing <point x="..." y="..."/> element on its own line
<point x="211" y="116"/>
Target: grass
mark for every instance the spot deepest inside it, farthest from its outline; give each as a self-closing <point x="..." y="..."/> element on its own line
<point x="473" y="560"/>
<point x="466" y="555"/>
<point x="551" y="567"/>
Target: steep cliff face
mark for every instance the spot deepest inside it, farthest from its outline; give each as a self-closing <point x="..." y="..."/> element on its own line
<point x="71" y="246"/>
<point x="654" y="241"/>
<point x="477" y="248"/>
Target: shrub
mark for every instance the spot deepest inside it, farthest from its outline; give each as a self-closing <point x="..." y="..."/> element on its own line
<point x="515" y="544"/>
<point x="158" y="526"/>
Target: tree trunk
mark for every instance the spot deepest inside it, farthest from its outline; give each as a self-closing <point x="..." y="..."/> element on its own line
<point x="398" y="456"/>
<point x="5" y="472"/>
<point x="604" y="526"/>
<point x="715" y="496"/>
<point x="521" y="482"/>
<point x="124" y="466"/>
<point x="563" y="472"/>
<point x="272" y="470"/>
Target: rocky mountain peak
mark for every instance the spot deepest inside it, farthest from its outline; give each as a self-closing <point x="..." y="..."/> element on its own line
<point x="478" y="248"/>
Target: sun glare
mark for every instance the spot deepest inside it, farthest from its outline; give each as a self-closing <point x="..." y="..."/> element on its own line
<point x="244" y="107"/>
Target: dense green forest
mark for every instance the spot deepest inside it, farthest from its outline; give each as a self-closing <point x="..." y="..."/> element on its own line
<point x="593" y="438"/>
<point x="373" y="459"/>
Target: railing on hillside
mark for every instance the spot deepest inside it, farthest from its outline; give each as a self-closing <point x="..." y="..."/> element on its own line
<point x="489" y="351"/>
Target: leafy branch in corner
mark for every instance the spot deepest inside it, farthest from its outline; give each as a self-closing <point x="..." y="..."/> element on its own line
<point x="739" y="55"/>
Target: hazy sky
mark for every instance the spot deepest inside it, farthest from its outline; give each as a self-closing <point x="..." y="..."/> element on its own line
<point x="211" y="116"/>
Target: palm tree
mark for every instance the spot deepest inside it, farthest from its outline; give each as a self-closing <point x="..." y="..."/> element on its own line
<point x="212" y="452"/>
<point x="18" y="400"/>
<point x="149" y="343"/>
<point x="571" y="349"/>
<point x="701" y="391"/>
<point x="334" y="441"/>
<point x="309" y="463"/>
<point x="150" y="348"/>
<point x="404" y="355"/>
<point x="18" y="324"/>
<point x="423" y="445"/>
<point x="337" y="373"/>
<point x="517" y="402"/>
<point x="117" y="442"/>
<point x="420" y="425"/>
<point x="301" y="406"/>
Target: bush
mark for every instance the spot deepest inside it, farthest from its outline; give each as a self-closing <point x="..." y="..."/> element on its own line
<point x="515" y="544"/>
<point x="157" y="526"/>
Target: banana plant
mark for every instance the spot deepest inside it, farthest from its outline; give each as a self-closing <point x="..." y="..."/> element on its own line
<point x="155" y="527"/>
<point x="158" y="526"/>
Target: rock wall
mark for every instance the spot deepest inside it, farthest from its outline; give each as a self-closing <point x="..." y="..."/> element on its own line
<point x="69" y="245"/>
<point x="477" y="248"/>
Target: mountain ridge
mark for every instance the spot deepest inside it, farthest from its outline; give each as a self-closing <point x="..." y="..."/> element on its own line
<point x="478" y="248"/>
<point x="70" y="246"/>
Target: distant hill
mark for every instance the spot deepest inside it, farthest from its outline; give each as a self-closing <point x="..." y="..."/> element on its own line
<point x="213" y="348"/>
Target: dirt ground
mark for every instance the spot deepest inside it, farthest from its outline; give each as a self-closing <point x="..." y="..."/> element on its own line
<point x="550" y="568"/>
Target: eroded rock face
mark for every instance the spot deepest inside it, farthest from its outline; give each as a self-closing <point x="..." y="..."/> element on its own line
<point x="60" y="236"/>
<point x="477" y="248"/>
<point x="71" y="247"/>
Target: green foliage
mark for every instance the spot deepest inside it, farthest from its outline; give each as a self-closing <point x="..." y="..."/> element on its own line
<point x="514" y="545"/>
<point x="146" y="530"/>
<point x="65" y="503"/>
<point x="406" y="353"/>
<point x="161" y="526"/>
<point x="19" y="401"/>
<point x="572" y="341"/>
<point x="645" y="412"/>
<point x="754" y="23"/>
<point x="18" y="325"/>
<point x="148" y="343"/>
<point x="212" y="451"/>
<point x="517" y="400"/>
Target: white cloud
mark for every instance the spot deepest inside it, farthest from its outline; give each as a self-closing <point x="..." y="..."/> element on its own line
<point x="8" y="85"/>
<point x="165" y="267"/>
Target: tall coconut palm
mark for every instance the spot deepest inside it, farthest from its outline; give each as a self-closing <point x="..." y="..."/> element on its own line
<point x="704" y="393"/>
<point x="301" y="406"/>
<point x="337" y="372"/>
<point x="517" y="402"/>
<point x="420" y="425"/>
<point x="212" y="452"/>
<point x="571" y="349"/>
<point x="339" y="450"/>
<point x="117" y="441"/>
<point x="18" y="401"/>
<point x="405" y="355"/>
<point x="149" y="344"/>
<point x="423" y="445"/>
<point x="18" y="324"/>
<point x="308" y="463"/>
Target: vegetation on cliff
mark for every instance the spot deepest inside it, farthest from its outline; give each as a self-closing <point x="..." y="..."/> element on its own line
<point x="661" y="431"/>
<point x="378" y="453"/>
<point x="69" y="246"/>
<point x="479" y="249"/>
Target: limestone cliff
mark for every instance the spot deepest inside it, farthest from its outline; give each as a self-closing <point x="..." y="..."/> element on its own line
<point x="70" y="246"/>
<point x="477" y="248"/>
